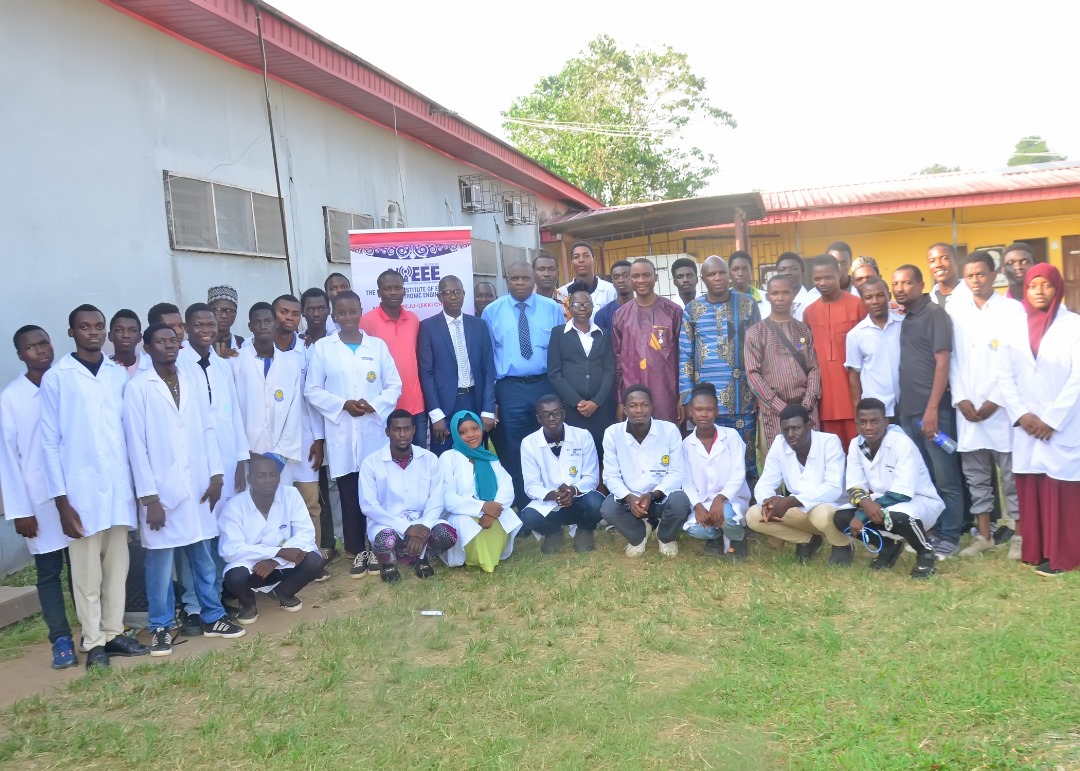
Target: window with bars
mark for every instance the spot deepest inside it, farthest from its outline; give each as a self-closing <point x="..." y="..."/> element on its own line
<point x="485" y="263"/>
<point x="211" y="217"/>
<point x="338" y="224"/>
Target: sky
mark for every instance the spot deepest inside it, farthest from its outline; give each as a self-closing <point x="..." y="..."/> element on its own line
<point x="824" y="93"/>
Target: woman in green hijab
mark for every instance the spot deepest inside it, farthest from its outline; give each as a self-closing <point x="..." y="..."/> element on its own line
<point x="478" y="494"/>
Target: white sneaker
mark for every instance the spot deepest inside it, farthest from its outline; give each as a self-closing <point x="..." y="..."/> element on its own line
<point x="978" y="546"/>
<point x="637" y="551"/>
<point x="669" y="548"/>
<point x="1016" y="545"/>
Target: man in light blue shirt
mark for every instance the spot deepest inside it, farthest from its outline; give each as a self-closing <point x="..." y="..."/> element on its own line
<point x="520" y="324"/>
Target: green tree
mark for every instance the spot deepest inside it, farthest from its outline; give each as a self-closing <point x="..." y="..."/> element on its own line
<point x="1033" y="149"/>
<point x="612" y="122"/>
<point x="937" y="168"/>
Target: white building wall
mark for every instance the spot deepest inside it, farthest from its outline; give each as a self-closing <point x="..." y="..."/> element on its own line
<point x="98" y="105"/>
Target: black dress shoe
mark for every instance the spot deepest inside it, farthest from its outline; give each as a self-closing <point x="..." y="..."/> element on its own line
<point x="122" y="645"/>
<point x="804" y="551"/>
<point x="97" y="658"/>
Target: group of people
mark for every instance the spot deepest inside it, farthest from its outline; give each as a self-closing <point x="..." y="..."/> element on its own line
<point x="553" y="407"/>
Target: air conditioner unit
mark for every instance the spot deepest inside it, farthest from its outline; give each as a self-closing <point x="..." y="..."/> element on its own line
<point x="470" y="197"/>
<point x="512" y="211"/>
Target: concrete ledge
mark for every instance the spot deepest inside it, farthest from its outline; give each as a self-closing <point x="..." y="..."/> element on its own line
<point x="17" y="603"/>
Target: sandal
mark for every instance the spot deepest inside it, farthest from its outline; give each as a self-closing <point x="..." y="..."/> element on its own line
<point x="423" y="568"/>
<point x="388" y="572"/>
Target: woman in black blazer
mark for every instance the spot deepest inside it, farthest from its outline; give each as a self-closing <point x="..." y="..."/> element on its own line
<point x="583" y="380"/>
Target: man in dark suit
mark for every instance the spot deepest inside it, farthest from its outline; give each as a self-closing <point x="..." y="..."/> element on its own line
<point x="457" y="365"/>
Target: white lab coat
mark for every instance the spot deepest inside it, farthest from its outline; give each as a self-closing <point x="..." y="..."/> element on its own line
<point x="224" y="408"/>
<point x="820" y="481"/>
<point x="173" y="453"/>
<point x="272" y="407"/>
<point x="975" y="366"/>
<point x="312" y="424"/>
<point x="463" y="507"/>
<point x="335" y="376"/>
<point x="396" y="498"/>
<point x="1049" y="388"/>
<point x="22" y="466"/>
<point x="721" y="471"/>
<point x="542" y="472"/>
<point x="639" y="468"/>
<point x="247" y="537"/>
<point x="82" y="435"/>
<point x="897" y="467"/>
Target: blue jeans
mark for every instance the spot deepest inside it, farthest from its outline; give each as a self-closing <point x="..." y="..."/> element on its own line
<point x="50" y="591"/>
<point x="944" y="470"/>
<point x="189" y="599"/>
<point x="583" y="512"/>
<point x="159" y="584"/>
<point x="731" y="528"/>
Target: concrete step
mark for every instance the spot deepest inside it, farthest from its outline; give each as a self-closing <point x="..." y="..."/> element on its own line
<point x="17" y="603"/>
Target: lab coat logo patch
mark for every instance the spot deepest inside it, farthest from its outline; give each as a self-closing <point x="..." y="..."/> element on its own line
<point x="573" y="471"/>
<point x="665" y="460"/>
<point x="371" y="376"/>
<point x="279" y="395"/>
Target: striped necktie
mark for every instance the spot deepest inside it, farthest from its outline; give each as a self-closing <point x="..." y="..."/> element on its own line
<point x="464" y="371"/>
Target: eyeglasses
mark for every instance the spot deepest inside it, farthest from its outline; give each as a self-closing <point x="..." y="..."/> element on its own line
<point x="550" y="414"/>
<point x="224" y="311"/>
<point x="452" y="294"/>
<point x="581" y="306"/>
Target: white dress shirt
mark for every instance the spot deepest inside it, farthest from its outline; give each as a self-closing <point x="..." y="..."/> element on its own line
<point x="542" y="472"/>
<point x="586" y="338"/>
<point x="718" y="471"/>
<point x="603" y="294"/>
<point x="821" y="480"/>
<point x="641" y="467"/>
<point x="874" y="352"/>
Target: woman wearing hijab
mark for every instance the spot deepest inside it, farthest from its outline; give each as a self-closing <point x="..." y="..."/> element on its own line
<point x="1040" y="385"/>
<point x="478" y="494"/>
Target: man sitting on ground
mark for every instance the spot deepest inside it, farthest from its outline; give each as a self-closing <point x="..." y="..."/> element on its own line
<point x="267" y="540"/>
<point x="401" y="492"/>
<point x="810" y="466"/>
<point x="560" y="470"/>
<point x="643" y="469"/>
<point x="890" y="489"/>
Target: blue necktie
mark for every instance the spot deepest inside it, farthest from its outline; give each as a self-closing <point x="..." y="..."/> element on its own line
<point x="524" y="338"/>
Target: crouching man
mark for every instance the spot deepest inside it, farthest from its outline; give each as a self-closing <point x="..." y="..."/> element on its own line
<point x="890" y="490"/>
<point x="401" y="492"/>
<point x="267" y="540"/>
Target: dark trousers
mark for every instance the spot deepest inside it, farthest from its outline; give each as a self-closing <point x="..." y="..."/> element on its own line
<point x="944" y="469"/>
<point x="911" y="530"/>
<point x="242" y="583"/>
<point x="420" y="426"/>
<point x="470" y="402"/>
<point x="353" y="521"/>
<point x="583" y="512"/>
<point x="672" y="512"/>
<point x="50" y="590"/>
<point x="326" y="514"/>
<point x="517" y="419"/>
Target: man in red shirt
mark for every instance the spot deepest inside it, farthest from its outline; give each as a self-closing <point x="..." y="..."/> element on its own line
<point x="399" y="328"/>
<point x="830" y="319"/>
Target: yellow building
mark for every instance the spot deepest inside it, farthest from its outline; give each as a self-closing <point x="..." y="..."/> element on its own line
<point x="894" y="222"/>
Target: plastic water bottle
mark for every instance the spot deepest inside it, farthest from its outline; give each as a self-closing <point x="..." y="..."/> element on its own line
<point x="943" y="440"/>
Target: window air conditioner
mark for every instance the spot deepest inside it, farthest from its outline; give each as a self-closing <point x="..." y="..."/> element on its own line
<point x="470" y="197"/>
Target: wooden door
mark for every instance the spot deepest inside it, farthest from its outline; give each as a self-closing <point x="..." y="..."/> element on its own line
<point x="1070" y="258"/>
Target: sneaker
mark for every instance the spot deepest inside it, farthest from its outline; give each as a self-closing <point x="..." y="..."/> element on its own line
<point x="63" y="653"/>
<point x="1016" y="547"/>
<point x="924" y="565"/>
<point x="805" y="551"/>
<point x="223" y="628"/>
<point x="161" y="642"/>
<point x="192" y="626"/>
<point x="669" y="548"/>
<point x="330" y="555"/>
<point x="1003" y="534"/>
<point x="97" y="658"/>
<point x="290" y="603"/>
<point x="739" y="550"/>
<point x="886" y="558"/>
<point x="946" y="549"/>
<point x="978" y="546"/>
<point x="637" y="551"/>
<point x="584" y="540"/>
<point x="360" y="564"/>
<point x="373" y="566"/>
<point x="324" y="575"/>
<point x="842" y="555"/>
<point x="1044" y="569"/>
<point x="248" y="615"/>
<point x="122" y="645"/>
<point x="552" y="543"/>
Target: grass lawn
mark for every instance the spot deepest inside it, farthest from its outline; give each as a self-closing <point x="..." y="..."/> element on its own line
<point x="596" y="661"/>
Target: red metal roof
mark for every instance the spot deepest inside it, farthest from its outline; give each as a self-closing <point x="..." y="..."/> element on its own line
<point x="1015" y="184"/>
<point x="300" y="58"/>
